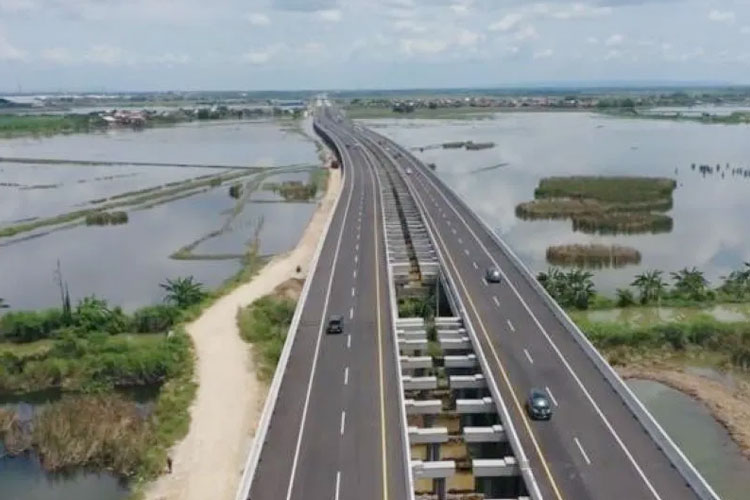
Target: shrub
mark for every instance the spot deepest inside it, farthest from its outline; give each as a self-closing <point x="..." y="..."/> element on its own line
<point x="28" y="326"/>
<point x="155" y="319"/>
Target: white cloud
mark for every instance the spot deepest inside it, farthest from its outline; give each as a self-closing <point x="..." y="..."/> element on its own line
<point x="422" y="46"/>
<point x="612" y="54"/>
<point x="17" y="5"/>
<point x="8" y="52"/>
<point x="329" y="15"/>
<point x="258" y="19"/>
<point x="460" y="9"/>
<point x="409" y="25"/>
<point x="745" y="30"/>
<point x="507" y="22"/>
<point x="58" y="55"/>
<point x="528" y="32"/>
<point x="170" y="58"/>
<point x="108" y="55"/>
<point x="466" y="38"/>
<point x="262" y="56"/>
<point x="543" y="54"/>
<point x="592" y="40"/>
<point x="721" y="16"/>
<point x="580" y="11"/>
<point x="614" y="40"/>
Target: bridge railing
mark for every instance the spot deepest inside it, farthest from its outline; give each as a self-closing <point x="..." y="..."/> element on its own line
<point x="657" y="433"/>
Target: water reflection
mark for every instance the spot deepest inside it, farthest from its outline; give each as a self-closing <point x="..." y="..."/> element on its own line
<point x="22" y="478"/>
<point x="710" y="214"/>
<point x="260" y="142"/>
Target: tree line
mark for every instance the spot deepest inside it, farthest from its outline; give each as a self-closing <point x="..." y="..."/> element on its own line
<point x="575" y="288"/>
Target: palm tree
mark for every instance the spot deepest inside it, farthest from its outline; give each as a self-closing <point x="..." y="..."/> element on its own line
<point x="690" y="283"/>
<point x="737" y="283"/>
<point x="650" y="285"/>
<point x="183" y="292"/>
<point x="625" y="297"/>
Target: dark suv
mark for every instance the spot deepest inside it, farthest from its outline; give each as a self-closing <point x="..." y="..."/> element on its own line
<point x="335" y="324"/>
<point x="538" y="405"/>
<point x="492" y="275"/>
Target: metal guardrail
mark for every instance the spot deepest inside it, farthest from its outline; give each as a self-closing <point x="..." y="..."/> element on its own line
<point x="693" y="478"/>
<point x="512" y="434"/>
<point x="251" y="465"/>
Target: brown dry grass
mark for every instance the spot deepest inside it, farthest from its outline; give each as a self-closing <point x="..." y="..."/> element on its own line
<point x="593" y="255"/>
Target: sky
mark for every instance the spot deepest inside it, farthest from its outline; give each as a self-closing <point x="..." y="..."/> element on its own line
<point x="156" y="45"/>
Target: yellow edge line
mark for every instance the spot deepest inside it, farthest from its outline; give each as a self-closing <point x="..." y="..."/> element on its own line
<point x="380" y="344"/>
<point x="502" y="369"/>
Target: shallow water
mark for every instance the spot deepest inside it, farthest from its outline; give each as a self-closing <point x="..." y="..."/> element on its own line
<point x="710" y="213"/>
<point x="126" y="263"/>
<point x="244" y="143"/>
<point x="22" y="478"/>
<point x="75" y="186"/>
<point x="703" y="440"/>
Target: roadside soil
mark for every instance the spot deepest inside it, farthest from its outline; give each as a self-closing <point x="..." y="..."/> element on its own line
<point x="728" y="403"/>
<point x="209" y="461"/>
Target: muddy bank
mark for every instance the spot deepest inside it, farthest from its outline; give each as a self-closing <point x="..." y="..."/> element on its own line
<point x="728" y="403"/>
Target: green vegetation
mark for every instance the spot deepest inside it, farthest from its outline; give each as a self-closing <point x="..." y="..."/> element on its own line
<point x="416" y="307"/>
<point x="299" y="191"/>
<point x="623" y="342"/>
<point x="15" y="125"/>
<point x="265" y="324"/>
<point x="183" y="292"/>
<point x="235" y="190"/>
<point x="603" y="204"/>
<point x="106" y="218"/>
<point x="734" y="118"/>
<point x="569" y="289"/>
<point x="593" y="255"/>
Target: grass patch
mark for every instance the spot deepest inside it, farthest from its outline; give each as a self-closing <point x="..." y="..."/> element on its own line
<point x="16" y="125"/>
<point x="606" y="205"/>
<point x="731" y="341"/>
<point x="265" y="324"/>
<point x="593" y="255"/>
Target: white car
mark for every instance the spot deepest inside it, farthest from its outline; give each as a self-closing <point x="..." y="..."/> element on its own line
<point x="408" y="171"/>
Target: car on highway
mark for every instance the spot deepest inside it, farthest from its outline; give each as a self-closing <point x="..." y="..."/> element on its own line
<point x="538" y="406"/>
<point x="408" y="171"/>
<point x="492" y="275"/>
<point x="335" y="324"/>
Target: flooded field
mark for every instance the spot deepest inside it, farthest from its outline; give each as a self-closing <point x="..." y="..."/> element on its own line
<point x="125" y="263"/>
<point x="703" y="440"/>
<point x="709" y="212"/>
<point x="243" y="143"/>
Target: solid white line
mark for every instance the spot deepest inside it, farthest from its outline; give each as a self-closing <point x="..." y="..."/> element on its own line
<point x="346" y="377"/>
<point x="528" y="356"/>
<point x="348" y="341"/>
<point x="510" y="325"/>
<point x="575" y="377"/>
<point x="353" y="290"/>
<point x="551" y="396"/>
<point x="343" y="421"/>
<point x="317" y="346"/>
<point x="583" y="452"/>
<point x="351" y="312"/>
<point x="497" y="302"/>
<point x="338" y="485"/>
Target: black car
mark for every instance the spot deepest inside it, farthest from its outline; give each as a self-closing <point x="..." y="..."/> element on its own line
<point x="335" y="324"/>
<point x="538" y="405"/>
<point x="492" y="275"/>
